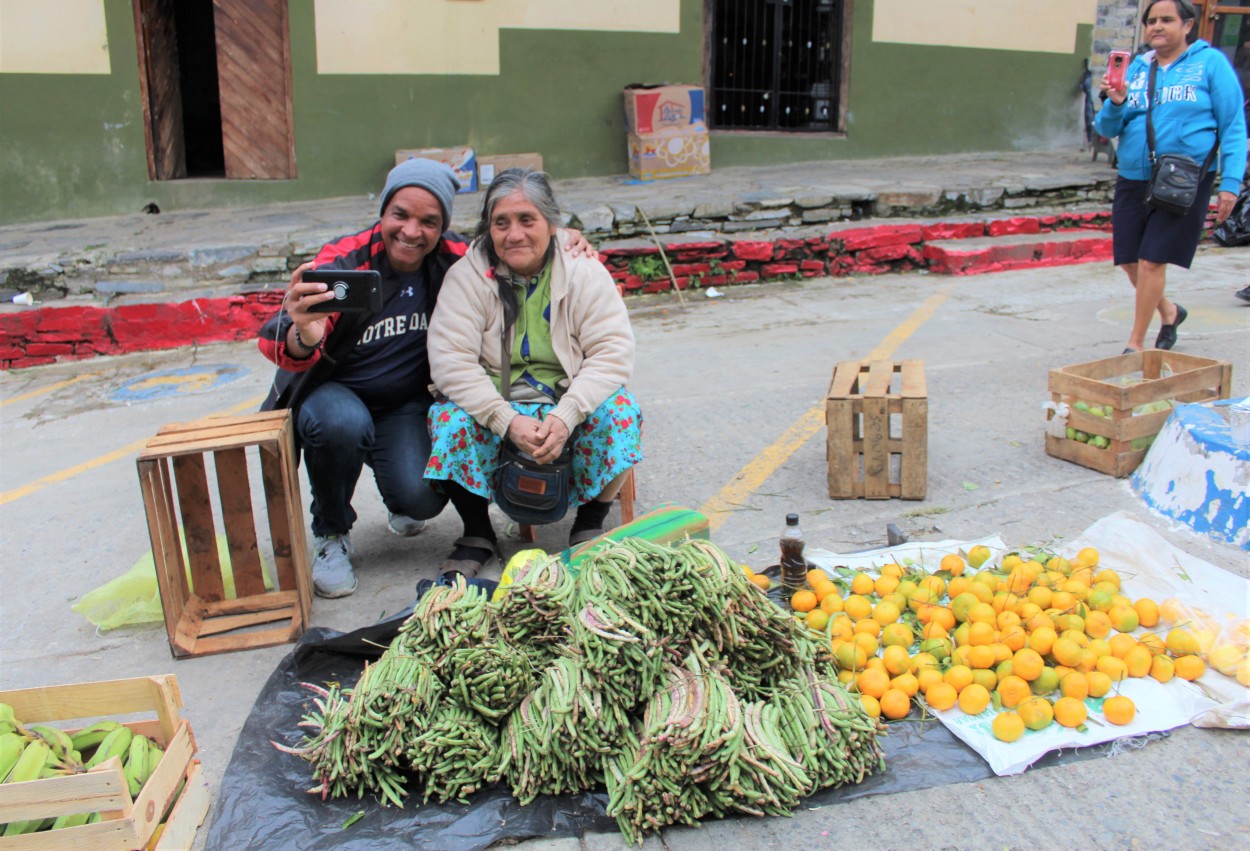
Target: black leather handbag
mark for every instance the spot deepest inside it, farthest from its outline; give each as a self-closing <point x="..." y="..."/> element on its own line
<point x="1174" y="178"/>
<point x="525" y="490"/>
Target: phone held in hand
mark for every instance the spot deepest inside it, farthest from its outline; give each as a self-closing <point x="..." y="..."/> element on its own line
<point x="355" y="290"/>
<point x="1117" y="66"/>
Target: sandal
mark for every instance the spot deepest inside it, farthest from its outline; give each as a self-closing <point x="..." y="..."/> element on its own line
<point x="1167" y="333"/>
<point x="467" y="567"/>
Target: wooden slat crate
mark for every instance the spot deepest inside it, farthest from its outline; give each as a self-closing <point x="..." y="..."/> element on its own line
<point x="125" y="822"/>
<point x="199" y="618"/>
<point x="1164" y="376"/>
<point x="877" y="416"/>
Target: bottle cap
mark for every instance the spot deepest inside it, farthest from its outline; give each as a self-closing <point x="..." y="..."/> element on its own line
<point x="792" y="519"/>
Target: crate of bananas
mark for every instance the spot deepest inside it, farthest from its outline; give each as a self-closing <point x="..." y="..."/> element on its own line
<point x="73" y="775"/>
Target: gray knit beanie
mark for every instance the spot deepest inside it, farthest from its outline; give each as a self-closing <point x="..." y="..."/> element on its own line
<point x="434" y="177"/>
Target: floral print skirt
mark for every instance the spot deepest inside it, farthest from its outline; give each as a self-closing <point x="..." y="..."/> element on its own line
<point x="607" y="444"/>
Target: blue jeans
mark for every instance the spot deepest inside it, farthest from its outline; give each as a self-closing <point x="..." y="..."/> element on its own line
<point x="338" y="435"/>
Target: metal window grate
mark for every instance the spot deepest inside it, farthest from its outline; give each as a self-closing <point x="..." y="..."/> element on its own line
<point x="776" y="64"/>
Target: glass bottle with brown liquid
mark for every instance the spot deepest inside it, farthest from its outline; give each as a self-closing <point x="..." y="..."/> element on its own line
<point x="793" y="564"/>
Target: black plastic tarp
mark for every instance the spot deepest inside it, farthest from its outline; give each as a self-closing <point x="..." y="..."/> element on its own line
<point x="263" y="801"/>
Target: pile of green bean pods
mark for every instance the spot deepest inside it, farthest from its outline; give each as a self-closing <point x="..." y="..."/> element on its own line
<point x="657" y="672"/>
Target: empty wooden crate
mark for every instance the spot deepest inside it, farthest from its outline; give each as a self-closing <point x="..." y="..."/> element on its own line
<point x="200" y="616"/>
<point x="877" y="416"/>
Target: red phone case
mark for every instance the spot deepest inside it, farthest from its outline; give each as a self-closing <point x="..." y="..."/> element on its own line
<point x="1117" y="65"/>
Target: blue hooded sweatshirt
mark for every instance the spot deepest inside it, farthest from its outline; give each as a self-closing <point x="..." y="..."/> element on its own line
<point x="1196" y="94"/>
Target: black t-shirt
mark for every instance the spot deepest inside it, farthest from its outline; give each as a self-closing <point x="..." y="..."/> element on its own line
<point x="389" y="364"/>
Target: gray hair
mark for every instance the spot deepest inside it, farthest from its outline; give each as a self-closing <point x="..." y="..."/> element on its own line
<point x="535" y="187"/>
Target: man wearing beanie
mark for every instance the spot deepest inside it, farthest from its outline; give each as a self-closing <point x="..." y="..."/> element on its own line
<point x="358" y="383"/>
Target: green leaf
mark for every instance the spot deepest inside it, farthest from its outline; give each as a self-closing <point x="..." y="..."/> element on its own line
<point x="754" y="547"/>
<point x="353" y="818"/>
<point x="971" y="486"/>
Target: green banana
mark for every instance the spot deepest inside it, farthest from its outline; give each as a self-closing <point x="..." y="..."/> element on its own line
<point x="74" y="820"/>
<point x="6" y="714"/>
<point x="137" y="764"/>
<point x="29" y="767"/>
<point x="116" y="743"/>
<point x="155" y="752"/>
<point x="60" y="742"/>
<point x="90" y="737"/>
<point x="11" y="746"/>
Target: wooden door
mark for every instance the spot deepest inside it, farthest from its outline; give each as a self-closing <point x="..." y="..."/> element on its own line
<point x="160" y="89"/>
<point x="253" y="68"/>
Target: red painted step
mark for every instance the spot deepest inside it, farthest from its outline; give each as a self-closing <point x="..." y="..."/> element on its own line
<point x="978" y="255"/>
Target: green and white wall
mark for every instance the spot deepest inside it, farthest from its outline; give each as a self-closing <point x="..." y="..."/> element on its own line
<point x="511" y="76"/>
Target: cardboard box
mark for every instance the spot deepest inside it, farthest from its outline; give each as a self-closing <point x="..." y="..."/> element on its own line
<point x="462" y="159"/>
<point x="488" y="167"/>
<point x="663" y="109"/>
<point x="1129" y="386"/>
<point x="126" y="822"/>
<point x="661" y="155"/>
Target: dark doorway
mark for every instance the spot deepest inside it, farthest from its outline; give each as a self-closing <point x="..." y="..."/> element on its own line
<point x="777" y="64"/>
<point x="201" y="102"/>
<point x="216" y="88"/>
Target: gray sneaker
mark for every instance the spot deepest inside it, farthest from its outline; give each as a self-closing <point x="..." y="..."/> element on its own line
<point x="403" y="525"/>
<point x="332" y="566"/>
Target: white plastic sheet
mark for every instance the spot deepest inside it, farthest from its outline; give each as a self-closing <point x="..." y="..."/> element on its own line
<point x="1149" y="567"/>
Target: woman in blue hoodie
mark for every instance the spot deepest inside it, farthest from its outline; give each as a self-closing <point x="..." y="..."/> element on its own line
<point x="1196" y="96"/>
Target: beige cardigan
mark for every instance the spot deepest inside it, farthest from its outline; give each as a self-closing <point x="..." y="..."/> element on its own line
<point x="590" y="333"/>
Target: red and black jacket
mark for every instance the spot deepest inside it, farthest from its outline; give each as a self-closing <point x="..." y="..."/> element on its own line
<point x="296" y="377"/>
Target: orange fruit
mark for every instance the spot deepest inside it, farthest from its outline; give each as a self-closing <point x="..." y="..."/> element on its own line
<point x="978" y="556"/>
<point x="941" y="696"/>
<point x="893" y="569"/>
<point x="886" y="585"/>
<point x="1007" y="726"/>
<point x="1109" y="576"/>
<point x="1002" y="653"/>
<point x="981" y="633"/>
<point x="803" y="601"/>
<point x="1098" y="682"/>
<point x="1066" y="652"/>
<point x="761" y="581"/>
<point x="823" y="588"/>
<point x="1138" y="660"/>
<point x="885" y="613"/>
<point x="973" y="699"/>
<point x="1036" y="712"/>
<point x="933" y="630"/>
<point x="906" y="683"/>
<point x="872" y="707"/>
<point x="1121" y="644"/>
<point x="957" y="586"/>
<point x="958" y="676"/>
<point x="1124" y="618"/>
<point x="1012" y="690"/>
<point x="1189" y="667"/>
<point x="1147" y="612"/>
<point x="1041" y="596"/>
<point x="816" y="620"/>
<point x="862" y="583"/>
<point x="831" y="604"/>
<point x="897" y="634"/>
<point x="857" y="607"/>
<point x="1162" y="668"/>
<point x="816" y="575"/>
<point x="1182" y="642"/>
<point x="1007" y="618"/>
<point x="850" y="656"/>
<point x="952" y="564"/>
<point x="1009" y="563"/>
<point x="1027" y="664"/>
<point x="869" y="626"/>
<point x="868" y="642"/>
<point x="1113" y="667"/>
<point x="922" y="661"/>
<point x="981" y="656"/>
<point x="982" y="613"/>
<point x="936" y="584"/>
<point x="1097" y="624"/>
<point x="1119" y="710"/>
<point x="1070" y="712"/>
<point x="927" y="677"/>
<point x="986" y="678"/>
<point x="841" y="627"/>
<point x="1046" y="682"/>
<point x="1014" y="638"/>
<point x="1088" y="556"/>
<point x="895" y="704"/>
<point x="872" y="682"/>
<point x="896" y="659"/>
<point x="1074" y="685"/>
<point x="1042" y="639"/>
<point x="1153" y="642"/>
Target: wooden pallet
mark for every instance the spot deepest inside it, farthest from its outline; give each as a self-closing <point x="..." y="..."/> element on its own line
<point x="878" y="430"/>
<point x="199" y="618"/>
<point x="1165" y="376"/>
<point x="125" y="822"/>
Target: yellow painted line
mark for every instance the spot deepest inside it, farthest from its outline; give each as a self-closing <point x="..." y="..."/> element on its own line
<point x="49" y="389"/>
<point x="69" y="472"/>
<point x="749" y="479"/>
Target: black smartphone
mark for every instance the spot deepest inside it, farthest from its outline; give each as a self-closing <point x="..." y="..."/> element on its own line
<point x="355" y="290"/>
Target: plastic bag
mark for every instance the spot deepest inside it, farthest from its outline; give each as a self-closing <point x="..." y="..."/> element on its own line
<point x="1236" y="228"/>
<point x="134" y="598"/>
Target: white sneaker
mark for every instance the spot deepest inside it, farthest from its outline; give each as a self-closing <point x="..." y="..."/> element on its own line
<point x="403" y="525"/>
<point x="332" y="571"/>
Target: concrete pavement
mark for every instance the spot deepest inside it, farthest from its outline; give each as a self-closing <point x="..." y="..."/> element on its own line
<point x="720" y="380"/>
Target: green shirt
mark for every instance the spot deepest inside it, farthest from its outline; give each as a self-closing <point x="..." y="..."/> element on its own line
<point x="533" y="357"/>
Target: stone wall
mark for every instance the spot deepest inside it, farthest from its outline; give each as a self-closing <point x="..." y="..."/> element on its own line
<point x="1117" y="27"/>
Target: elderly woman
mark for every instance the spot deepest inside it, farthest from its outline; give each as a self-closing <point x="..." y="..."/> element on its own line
<point x="571" y="351"/>
<point x="1195" y="105"/>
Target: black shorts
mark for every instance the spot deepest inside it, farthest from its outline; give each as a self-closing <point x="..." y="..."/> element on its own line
<point x="1139" y="232"/>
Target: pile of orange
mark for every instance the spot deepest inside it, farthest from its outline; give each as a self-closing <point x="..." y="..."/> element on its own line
<point x="1030" y="638"/>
